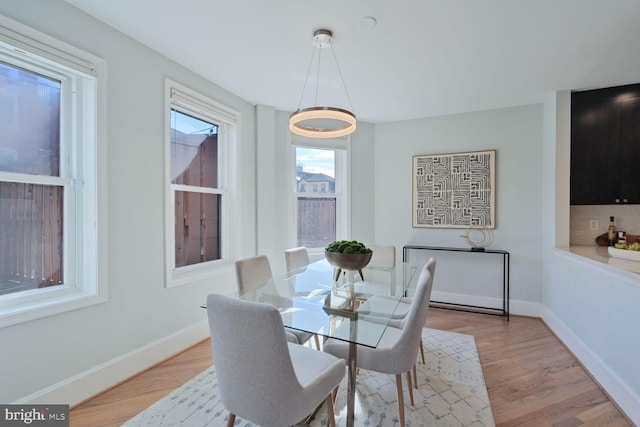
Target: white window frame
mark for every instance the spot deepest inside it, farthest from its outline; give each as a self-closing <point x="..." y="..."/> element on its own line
<point x="186" y="100"/>
<point x="342" y="148"/>
<point x="82" y="172"/>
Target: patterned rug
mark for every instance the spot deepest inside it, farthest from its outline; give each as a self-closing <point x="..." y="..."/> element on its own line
<point x="451" y="392"/>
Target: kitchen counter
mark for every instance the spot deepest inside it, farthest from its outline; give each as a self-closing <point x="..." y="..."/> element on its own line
<point x="600" y="254"/>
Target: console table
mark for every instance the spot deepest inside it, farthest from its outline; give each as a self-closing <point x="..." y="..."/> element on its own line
<point x="504" y="255"/>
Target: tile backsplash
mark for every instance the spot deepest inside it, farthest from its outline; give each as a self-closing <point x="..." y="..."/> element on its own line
<point x="627" y="218"/>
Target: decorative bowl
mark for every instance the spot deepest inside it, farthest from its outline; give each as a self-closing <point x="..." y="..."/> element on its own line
<point x="349" y="262"/>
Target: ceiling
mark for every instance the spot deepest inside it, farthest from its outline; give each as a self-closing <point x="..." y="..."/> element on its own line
<point x="422" y="58"/>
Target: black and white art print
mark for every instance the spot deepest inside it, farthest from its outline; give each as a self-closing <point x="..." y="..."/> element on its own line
<point x="455" y="190"/>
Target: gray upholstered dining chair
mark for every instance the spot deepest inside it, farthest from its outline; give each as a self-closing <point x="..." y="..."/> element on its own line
<point x="295" y="258"/>
<point x="279" y="385"/>
<point x="398" y="348"/>
<point x="254" y="272"/>
<point x="402" y="310"/>
<point x="405" y="303"/>
<point x="380" y="272"/>
<point x="383" y="259"/>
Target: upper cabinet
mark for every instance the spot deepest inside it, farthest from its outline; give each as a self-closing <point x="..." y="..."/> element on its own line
<point x="605" y="146"/>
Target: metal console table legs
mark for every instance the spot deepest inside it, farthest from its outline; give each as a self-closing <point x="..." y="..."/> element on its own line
<point x="504" y="311"/>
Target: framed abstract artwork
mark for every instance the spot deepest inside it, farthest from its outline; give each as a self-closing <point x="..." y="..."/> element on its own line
<point x="455" y="190"/>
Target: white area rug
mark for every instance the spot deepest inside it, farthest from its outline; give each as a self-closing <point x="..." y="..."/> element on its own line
<point x="451" y="392"/>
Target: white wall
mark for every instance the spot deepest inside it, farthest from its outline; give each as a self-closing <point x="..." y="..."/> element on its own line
<point x="592" y="308"/>
<point x="274" y="164"/>
<point x="69" y="356"/>
<point x="270" y="190"/>
<point x="594" y="311"/>
<point x="516" y="135"/>
<point x="363" y="184"/>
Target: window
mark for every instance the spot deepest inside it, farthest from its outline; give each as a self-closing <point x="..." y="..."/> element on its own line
<point x="201" y="135"/>
<point x="31" y="211"/>
<point x="48" y="178"/>
<point x="320" y="196"/>
<point x="194" y="176"/>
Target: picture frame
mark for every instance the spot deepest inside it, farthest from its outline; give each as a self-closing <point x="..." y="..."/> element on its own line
<point x="454" y="190"/>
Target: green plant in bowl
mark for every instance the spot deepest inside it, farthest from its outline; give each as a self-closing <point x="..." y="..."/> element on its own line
<point x="349" y="255"/>
<point x="348" y="247"/>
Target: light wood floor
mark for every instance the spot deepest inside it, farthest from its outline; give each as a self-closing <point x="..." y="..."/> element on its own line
<point x="531" y="378"/>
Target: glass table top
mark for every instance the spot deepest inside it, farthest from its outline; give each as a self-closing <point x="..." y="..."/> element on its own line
<point x="311" y="301"/>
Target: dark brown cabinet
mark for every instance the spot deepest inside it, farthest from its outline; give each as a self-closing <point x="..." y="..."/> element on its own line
<point x="630" y="150"/>
<point x="605" y="146"/>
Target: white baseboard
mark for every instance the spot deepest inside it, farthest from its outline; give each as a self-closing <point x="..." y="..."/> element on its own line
<point x="89" y="383"/>
<point x="525" y="308"/>
<point x="626" y="400"/>
<point x="86" y="384"/>
<point x="522" y="308"/>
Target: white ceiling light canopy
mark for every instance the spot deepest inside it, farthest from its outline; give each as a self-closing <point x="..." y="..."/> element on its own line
<point x="322" y="122"/>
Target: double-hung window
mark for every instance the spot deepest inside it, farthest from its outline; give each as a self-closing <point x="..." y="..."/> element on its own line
<point x="48" y="177"/>
<point x="199" y="145"/>
<point x="320" y="210"/>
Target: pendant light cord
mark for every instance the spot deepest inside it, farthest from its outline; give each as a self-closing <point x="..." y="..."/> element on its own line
<point x="312" y="122"/>
<point x="306" y="79"/>
<point x="315" y="101"/>
<point x="344" y="85"/>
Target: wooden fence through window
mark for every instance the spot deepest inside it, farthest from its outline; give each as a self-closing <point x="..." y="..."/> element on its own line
<point x="316" y="221"/>
<point x="30" y="236"/>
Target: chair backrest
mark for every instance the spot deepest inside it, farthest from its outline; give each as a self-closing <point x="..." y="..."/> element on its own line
<point x="252" y="273"/>
<point x="431" y="266"/>
<point x="295" y="258"/>
<point x="407" y="346"/>
<point x="383" y="258"/>
<point x="381" y="267"/>
<point x="253" y="365"/>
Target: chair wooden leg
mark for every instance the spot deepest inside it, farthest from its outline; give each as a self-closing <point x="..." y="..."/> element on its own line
<point x="331" y="421"/>
<point x="400" y="399"/>
<point x="231" y="419"/>
<point x="422" y="352"/>
<point x="335" y="394"/>
<point x="410" y="387"/>
<point x="415" y="375"/>
<point x="317" y="343"/>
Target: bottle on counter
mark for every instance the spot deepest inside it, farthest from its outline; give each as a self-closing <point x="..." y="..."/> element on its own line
<point x="622" y="237"/>
<point x="612" y="232"/>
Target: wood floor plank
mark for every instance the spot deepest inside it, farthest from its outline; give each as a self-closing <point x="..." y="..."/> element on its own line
<point x="532" y="379"/>
<point x="117" y="405"/>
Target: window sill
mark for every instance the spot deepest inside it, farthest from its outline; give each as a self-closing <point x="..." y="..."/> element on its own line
<point x="198" y="272"/>
<point x="54" y="301"/>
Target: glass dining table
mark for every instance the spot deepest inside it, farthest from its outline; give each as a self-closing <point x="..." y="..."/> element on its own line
<point x="310" y="300"/>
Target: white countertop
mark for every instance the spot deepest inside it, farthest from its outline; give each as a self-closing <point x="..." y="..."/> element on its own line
<point x="601" y="255"/>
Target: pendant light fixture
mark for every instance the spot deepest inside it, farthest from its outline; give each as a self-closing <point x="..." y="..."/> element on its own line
<point x="322" y="122"/>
